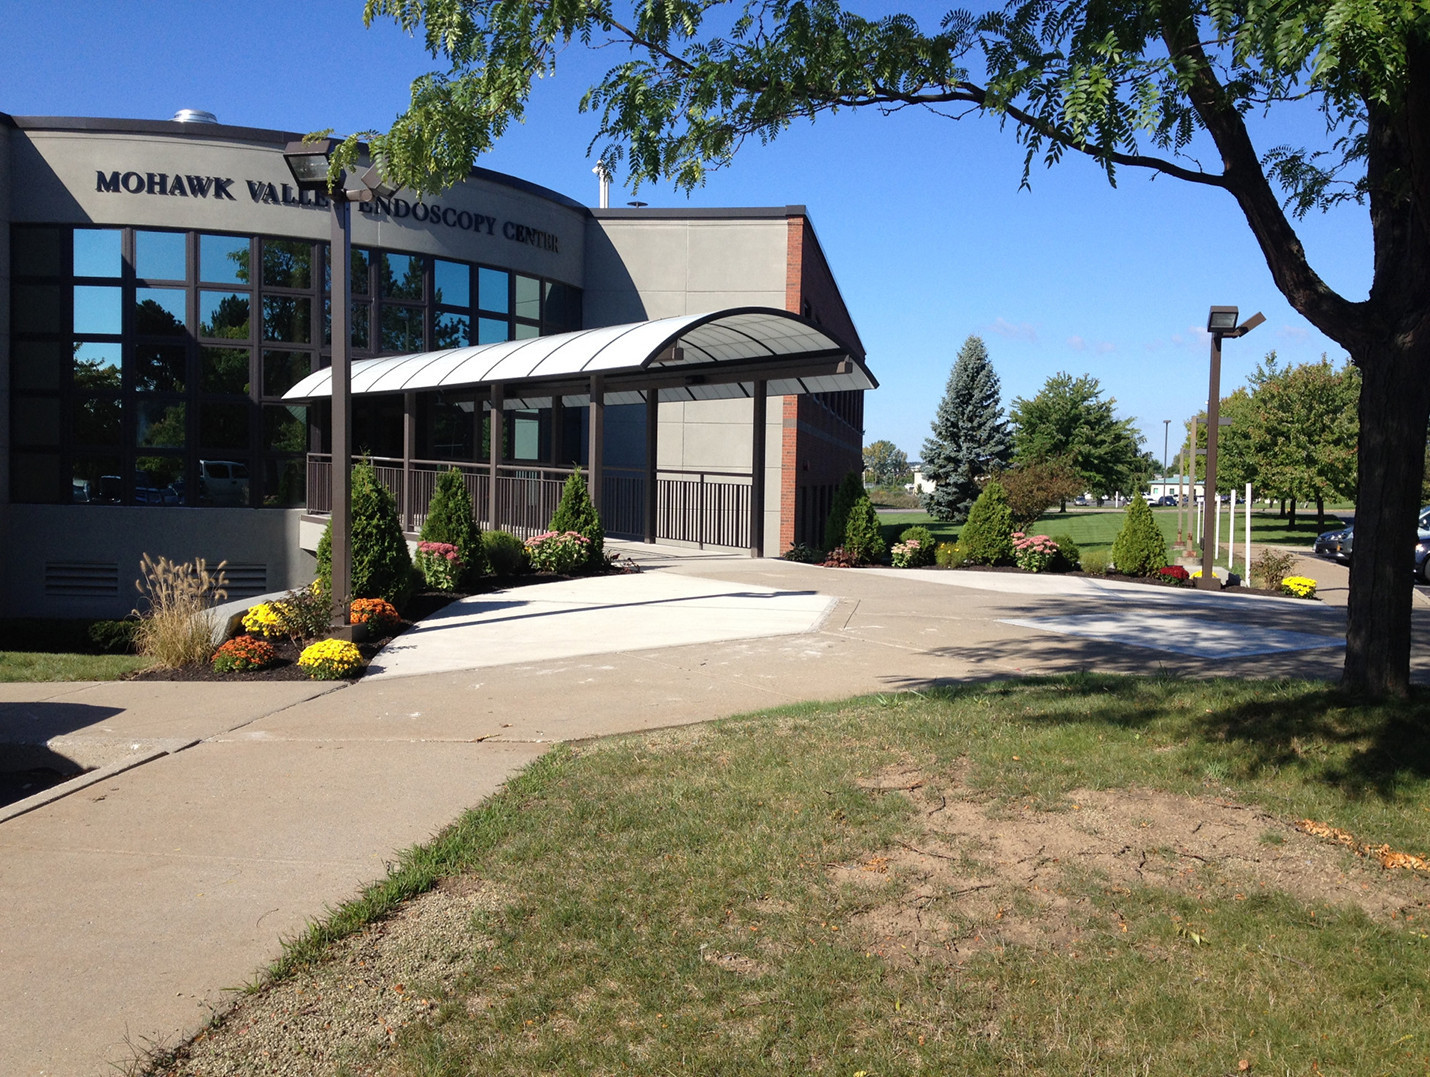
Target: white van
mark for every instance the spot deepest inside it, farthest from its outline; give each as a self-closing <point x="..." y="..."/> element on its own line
<point x="223" y="482"/>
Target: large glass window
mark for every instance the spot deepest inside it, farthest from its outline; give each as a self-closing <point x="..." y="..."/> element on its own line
<point x="144" y="359"/>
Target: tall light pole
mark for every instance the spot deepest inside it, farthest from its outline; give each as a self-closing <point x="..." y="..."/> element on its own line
<point x="1166" y="431"/>
<point x="1221" y="322"/>
<point x="309" y="163"/>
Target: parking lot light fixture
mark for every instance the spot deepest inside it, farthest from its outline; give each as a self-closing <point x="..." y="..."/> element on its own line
<point x="1221" y="322"/>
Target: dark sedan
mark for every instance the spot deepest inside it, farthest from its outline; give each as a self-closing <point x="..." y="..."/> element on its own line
<point x="1335" y="545"/>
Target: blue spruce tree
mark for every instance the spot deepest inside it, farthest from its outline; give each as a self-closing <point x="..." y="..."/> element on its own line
<point x="970" y="436"/>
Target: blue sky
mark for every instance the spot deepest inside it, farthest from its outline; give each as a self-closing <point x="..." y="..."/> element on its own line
<point x="921" y="217"/>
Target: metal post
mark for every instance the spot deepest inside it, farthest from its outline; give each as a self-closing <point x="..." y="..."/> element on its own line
<point x="409" y="450"/>
<point x="1192" y="516"/>
<point x="498" y="428"/>
<point x="558" y="430"/>
<point x="652" y="458"/>
<point x="1209" y="581"/>
<point x="340" y="259"/>
<point x="757" y="474"/>
<point x="596" y="443"/>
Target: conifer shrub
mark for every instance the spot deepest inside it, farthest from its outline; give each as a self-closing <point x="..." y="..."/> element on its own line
<point x="575" y="512"/>
<point x="450" y="519"/>
<point x="505" y="553"/>
<point x="862" y="537"/>
<point x="987" y="538"/>
<point x="1069" y="557"/>
<point x="1140" y="548"/>
<point x="848" y="492"/>
<point x="382" y="565"/>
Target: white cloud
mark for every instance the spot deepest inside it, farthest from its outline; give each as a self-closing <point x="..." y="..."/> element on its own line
<point x="1077" y="344"/>
<point x="1021" y="331"/>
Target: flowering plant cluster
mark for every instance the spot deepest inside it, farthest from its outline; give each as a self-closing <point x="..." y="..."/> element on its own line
<point x="440" y="564"/>
<point x="378" y="615"/>
<point x="1175" y="574"/>
<point x="1033" y="553"/>
<point x="330" y="660"/>
<point x="243" y="654"/>
<point x="839" y="557"/>
<point x="1299" y="587"/>
<point x="557" y="551"/>
<point x="264" y="619"/>
<point x="907" y="554"/>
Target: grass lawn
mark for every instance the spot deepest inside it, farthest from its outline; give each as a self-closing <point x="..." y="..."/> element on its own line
<point x="1097" y="528"/>
<point x="1084" y="875"/>
<point x="40" y="666"/>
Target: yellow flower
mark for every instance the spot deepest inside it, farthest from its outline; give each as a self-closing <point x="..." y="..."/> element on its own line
<point x="330" y="660"/>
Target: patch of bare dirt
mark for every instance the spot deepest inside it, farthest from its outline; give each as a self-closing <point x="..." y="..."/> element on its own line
<point x="979" y="877"/>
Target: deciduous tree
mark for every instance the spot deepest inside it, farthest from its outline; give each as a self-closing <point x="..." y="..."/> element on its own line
<point x="885" y="462"/>
<point x="1068" y="421"/>
<point x="1140" y="84"/>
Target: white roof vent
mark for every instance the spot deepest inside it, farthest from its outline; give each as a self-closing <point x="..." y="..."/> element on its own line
<point x="194" y="115"/>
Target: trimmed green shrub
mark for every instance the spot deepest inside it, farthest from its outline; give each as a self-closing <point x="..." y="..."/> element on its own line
<point x="576" y="513"/>
<point x="924" y="537"/>
<point x="861" y="532"/>
<point x="987" y="538"/>
<point x="849" y="492"/>
<point x="1069" y="557"/>
<point x="803" y="554"/>
<point x="948" y="555"/>
<point x="505" y="553"/>
<point x="450" y="519"/>
<point x="1140" y="548"/>
<point x="1094" y="562"/>
<point x="113" y="637"/>
<point x="382" y="565"/>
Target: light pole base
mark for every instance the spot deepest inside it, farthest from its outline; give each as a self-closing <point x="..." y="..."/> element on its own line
<point x="351" y="633"/>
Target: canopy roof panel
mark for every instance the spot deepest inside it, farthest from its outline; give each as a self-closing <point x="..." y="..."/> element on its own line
<point x="693" y="357"/>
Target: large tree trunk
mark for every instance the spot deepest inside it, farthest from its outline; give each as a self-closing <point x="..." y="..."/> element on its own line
<point x="1394" y="407"/>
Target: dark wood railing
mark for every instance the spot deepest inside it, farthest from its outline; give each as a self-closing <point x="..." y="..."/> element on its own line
<point x="704" y="508"/>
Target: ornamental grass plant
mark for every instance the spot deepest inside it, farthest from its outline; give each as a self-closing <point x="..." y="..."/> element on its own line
<point x="177" y="623"/>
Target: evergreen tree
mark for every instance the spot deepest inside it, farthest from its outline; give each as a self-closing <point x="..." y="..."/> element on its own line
<point x="845" y="497"/>
<point x="450" y="519"/>
<point x="1140" y="548"/>
<point x="987" y="538"/>
<point x="575" y="512"/>
<point x="382" y="565"/>
<point x="970" y="437"/>
<point x="862" y="537"/>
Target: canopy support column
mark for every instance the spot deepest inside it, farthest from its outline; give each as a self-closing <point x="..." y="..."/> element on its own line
<point x="596" y="437"/>
<point x="652" y="445"/>
<point x="498" y="428"/>
<point x="757" y="473"/>
<point x="409" y="451"/>
<point x="558" y="430"/>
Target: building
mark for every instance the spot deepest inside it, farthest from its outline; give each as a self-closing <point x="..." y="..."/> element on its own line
<point x="163" y="289"/>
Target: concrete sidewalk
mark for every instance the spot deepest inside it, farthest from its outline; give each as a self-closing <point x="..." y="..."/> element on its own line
<point x="134" y="903"/>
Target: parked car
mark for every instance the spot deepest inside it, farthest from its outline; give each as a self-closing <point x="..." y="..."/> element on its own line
<point x="1422" y="557"/>
<point x="1168" y="499"/>
<point x="1335" y="545"/>
<point x="223" y="482"/>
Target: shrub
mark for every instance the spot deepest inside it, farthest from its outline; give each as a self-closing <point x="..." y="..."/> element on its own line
<point x="382" y="567"/>
<point x="506" y="554"/>
<point x="862" y="536"/>
<point x="1034" y="553"/>
<point x="1140" y="548"/>
<point x="558" y="551"/>
<point x="1069" y="556"/>
<point x="243" y="654"/>
<point x="377" y="615"/>
<point x="924" y="537"/>
<point x="1270" y="567"/>
<point x="300" y="614"/>
<point x="848" y="492"/>
<point x="1094" y="562"/>
<point x="441" y="564"/>
<point x="1299" y="587"/>
<point x="839" y="557"/>
<point x="113" y="637"/>
<point x="576" y="513"/>
<point x="907" y="554"/>
<point x="805" y="555"/>
<point x="948" y="555"/>
<point x="331" y="660"/>
<point x="987" y="538"/>
<point x="450" y="520"/>
<point x="178" y="627"/>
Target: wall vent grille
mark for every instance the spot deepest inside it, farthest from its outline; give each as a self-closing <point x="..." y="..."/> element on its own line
<point x="82" y="579"/>
<point x="246" y="579"/>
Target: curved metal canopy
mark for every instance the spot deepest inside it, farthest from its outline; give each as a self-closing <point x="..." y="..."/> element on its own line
<point x="694" y="357"/>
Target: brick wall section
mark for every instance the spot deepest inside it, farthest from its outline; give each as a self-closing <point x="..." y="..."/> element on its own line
<point x="818" y="447"/>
